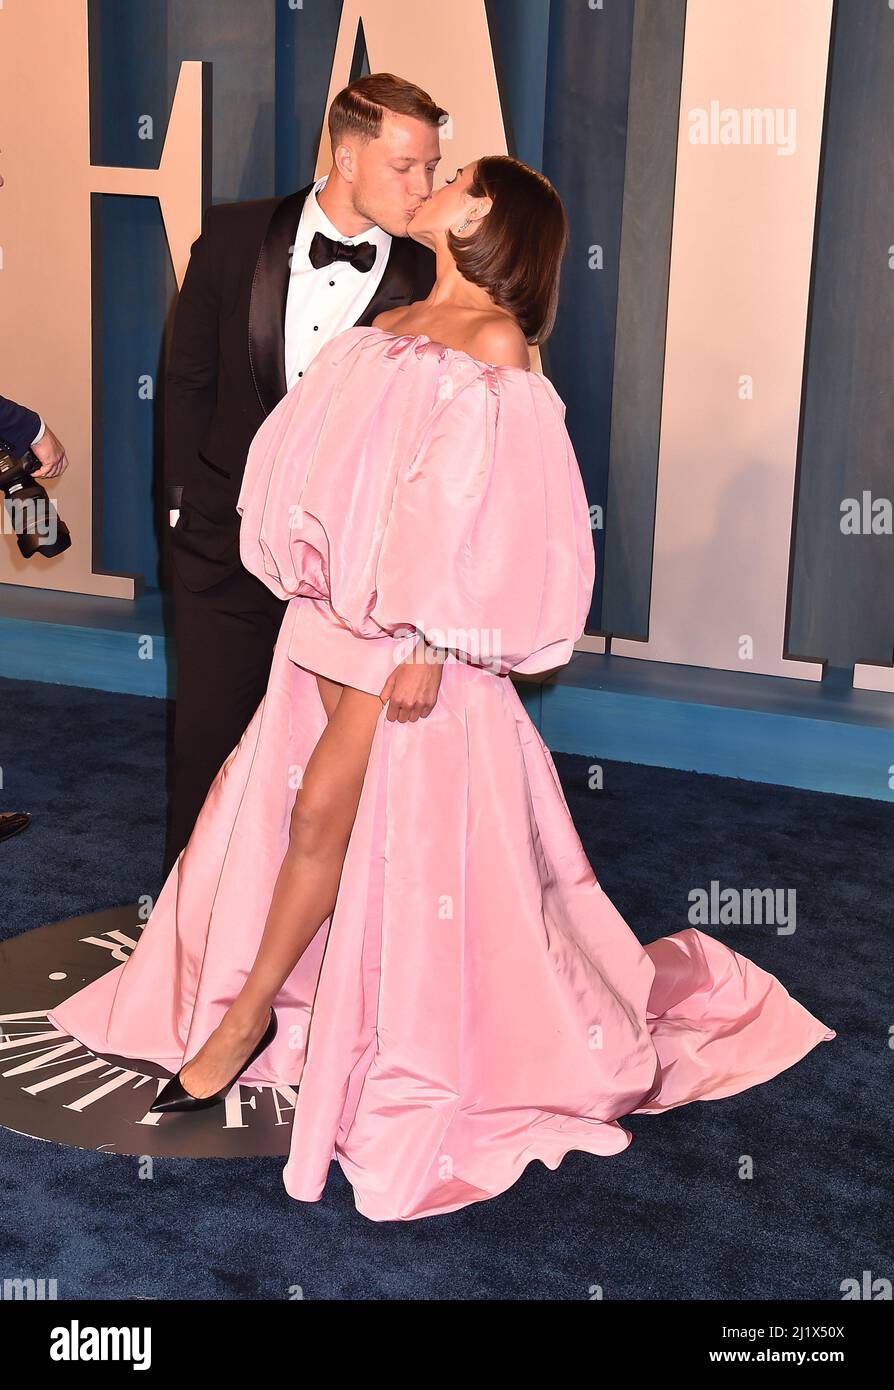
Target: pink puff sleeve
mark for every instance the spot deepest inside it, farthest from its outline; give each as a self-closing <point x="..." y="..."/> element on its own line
<point x="489" y="548"/>
<point x="421" y="490"/>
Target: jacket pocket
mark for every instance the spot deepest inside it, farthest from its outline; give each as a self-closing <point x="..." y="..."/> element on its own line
<point x="224" y="473"/>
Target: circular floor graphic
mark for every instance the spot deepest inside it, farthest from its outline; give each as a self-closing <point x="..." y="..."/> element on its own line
<point x="53" y="1087"/>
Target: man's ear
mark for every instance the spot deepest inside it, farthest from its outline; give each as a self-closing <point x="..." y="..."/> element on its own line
<point x="343" y="159"/>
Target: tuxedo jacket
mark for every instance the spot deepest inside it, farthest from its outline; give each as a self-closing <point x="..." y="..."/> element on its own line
<point x="226" y="368"/>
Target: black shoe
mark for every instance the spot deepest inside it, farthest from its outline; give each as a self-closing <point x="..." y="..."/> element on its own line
<point x="11" y="822"/>
<point x="174" y="1096"/>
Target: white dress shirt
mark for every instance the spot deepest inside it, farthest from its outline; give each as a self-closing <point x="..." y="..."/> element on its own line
<point x="320" y="303"/>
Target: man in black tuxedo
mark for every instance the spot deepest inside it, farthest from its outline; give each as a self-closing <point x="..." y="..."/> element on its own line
<point x="268" y="281"/>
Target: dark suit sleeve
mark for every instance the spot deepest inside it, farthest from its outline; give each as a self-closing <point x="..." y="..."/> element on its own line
<point x="191" y="376"/>
<point x="18" y="425"/>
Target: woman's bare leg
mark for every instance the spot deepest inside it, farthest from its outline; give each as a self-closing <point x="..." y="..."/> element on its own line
<point x="307" y="883"/>
<point x="330" y="694"/>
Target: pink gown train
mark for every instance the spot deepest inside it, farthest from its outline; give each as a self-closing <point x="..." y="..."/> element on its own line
<point x="475" y="1000"/>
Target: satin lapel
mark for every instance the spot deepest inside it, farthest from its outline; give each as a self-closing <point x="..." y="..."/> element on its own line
<point x="397" y="284"/>
<point x="267" y="312"/>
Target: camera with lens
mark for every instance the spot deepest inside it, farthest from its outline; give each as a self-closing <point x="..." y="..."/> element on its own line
<point x="38" y="527"/>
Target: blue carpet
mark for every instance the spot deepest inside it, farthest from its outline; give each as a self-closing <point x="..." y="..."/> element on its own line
<point x="668" y="1218"/>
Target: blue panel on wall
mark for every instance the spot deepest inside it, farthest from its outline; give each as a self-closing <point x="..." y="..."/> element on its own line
<point x="266" y="126"/>
<point x="128" y="83"/>
<point x="240" y="41"/>
<point x="653" y="118"/>
<point x="583" y="154"/>
<point x="842" y="585"/>
<point x="135" y="268"/>
<point x="305" y="48"/>
<point x="519" y="31"/>
<point x="132" y="280"/>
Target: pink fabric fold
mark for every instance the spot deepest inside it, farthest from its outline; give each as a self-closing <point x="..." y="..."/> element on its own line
<point x="475" y="1000"/>
<point x="424" y="491"/>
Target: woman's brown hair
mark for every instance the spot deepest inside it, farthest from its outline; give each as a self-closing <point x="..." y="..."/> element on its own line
<point x="516" y="252"/>
<point x="357" y="108"/>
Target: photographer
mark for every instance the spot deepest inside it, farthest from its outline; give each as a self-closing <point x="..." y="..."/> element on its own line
<point x="25" y="430"/>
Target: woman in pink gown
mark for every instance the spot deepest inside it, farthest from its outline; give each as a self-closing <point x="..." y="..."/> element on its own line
<point x="466" y="999"/>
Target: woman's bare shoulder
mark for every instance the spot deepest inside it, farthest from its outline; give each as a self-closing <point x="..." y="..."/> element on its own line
<point x="500" y="340"/>
<point x="491" y="337"/>
<point x="389" y="318"/>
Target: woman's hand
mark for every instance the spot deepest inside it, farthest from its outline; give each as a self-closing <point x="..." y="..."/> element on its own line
<point x="411" y="691"/>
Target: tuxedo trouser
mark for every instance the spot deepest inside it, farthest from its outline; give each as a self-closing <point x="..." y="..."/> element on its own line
<point x="225" y="637"/>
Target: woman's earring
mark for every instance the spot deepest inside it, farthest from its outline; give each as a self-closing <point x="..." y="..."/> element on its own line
<point x="463" y="225"/>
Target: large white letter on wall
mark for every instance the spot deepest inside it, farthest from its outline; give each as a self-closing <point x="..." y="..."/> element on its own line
<point x="45" y="245"/>
<point x="751" y="113"/>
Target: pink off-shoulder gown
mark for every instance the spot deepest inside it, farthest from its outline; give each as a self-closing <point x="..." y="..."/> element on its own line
<point x="475" y="1001"/>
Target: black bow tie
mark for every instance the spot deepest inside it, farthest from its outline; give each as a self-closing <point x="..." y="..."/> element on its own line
<point x="323" y="249"/>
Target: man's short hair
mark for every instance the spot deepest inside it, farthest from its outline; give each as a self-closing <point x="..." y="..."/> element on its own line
<point x="358" y="108"/>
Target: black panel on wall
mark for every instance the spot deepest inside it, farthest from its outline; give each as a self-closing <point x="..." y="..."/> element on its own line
<point x="842" y="586"/>
<point x="650" y="172"/>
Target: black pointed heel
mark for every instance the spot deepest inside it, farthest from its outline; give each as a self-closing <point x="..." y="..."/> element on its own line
<point x="174" y="1096"/>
